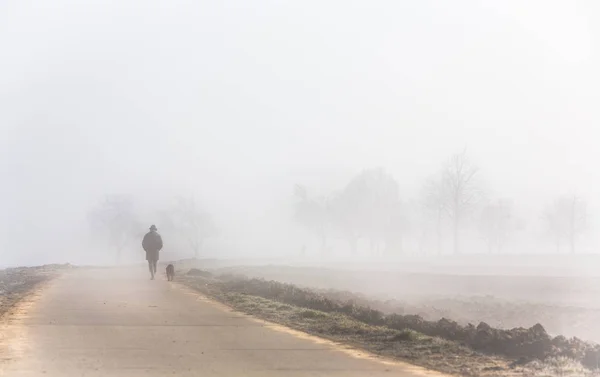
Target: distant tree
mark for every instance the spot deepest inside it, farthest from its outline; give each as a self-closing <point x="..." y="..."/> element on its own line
<point x="396" y="228"/>
<point x="193" y="223"/>
<point x="368" y="207"/>
<point x="313" y="214"/>
<point x="344" y="216"/>
<point x="116" y="220"/>
<point x="461" y="191"/>
<point x="566" y="217"/>
<point x="495" y="223"/>
<point x="435" y="200"/>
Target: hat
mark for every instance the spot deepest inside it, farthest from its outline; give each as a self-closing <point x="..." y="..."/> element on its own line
<point x="153" y="227"/>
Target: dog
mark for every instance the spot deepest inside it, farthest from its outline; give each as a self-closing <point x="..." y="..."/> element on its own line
<point x="170" y="272"/>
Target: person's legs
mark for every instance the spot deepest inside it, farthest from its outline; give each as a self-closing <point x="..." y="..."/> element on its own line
<point x="151" y="269"/>
<point x="154" y="262"/>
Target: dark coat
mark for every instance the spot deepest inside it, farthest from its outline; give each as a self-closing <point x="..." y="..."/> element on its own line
<point x="152" y="241"/>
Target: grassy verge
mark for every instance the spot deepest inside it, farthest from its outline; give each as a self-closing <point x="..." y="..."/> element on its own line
<point x="17" y="283"/>
<point x="403" y="344"/>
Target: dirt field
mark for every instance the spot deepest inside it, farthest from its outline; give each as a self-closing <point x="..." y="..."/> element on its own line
<point x="568" y="305"/>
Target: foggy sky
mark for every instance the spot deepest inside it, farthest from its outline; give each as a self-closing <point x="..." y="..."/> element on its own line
<point x="235" y="102"/>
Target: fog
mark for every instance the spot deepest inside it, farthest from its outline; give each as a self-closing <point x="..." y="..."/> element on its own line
<point x="234" y="104"/>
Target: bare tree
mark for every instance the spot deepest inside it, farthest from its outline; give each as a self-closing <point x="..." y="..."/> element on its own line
<point x="566" y="218"/>
<point x="194" y="223"/>
<point x="313" y="214"/>
<point x="495" y="223"/>
<point x="116" y="219"/>
<point x="396" y="228"/>
<point x="369" y="207"/>
<point x="343" y="215"/>
<point x="461" y="191"/>
<point x="435" y="200"/>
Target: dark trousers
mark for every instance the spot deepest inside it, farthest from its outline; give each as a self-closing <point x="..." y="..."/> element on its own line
<point x="152" y="258"/>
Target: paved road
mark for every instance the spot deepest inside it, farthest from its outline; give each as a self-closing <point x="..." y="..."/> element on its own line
<point x="119" y="323"/>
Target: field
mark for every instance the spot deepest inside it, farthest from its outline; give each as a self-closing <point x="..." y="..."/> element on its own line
<point x="564" y="301"/>
<point x="399" y="314"/>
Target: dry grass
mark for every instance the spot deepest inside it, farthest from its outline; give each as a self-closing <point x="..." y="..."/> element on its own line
<point x="16" y="283"/>
<point x="559" y="366"/>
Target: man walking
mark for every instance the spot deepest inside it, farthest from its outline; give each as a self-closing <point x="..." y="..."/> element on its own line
<point x="152" y="243"/>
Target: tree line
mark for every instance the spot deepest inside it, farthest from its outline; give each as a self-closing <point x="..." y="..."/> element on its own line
<point x="117" y="221"/>
<point x="369" y="207"/>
